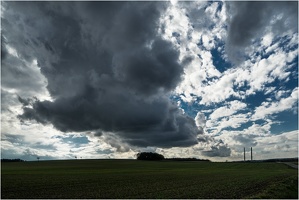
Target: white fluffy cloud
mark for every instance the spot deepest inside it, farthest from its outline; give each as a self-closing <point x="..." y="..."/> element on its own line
<point x="228" y="110"/>
<point x="270" y="108"/>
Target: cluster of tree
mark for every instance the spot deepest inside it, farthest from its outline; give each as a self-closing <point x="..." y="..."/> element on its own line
<point x="12" y="160"/>
<point x="149" y="156"/>
<point x="156" y="156"/>
<point x="188" y="159"/>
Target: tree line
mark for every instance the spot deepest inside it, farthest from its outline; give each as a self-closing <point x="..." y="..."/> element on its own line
<point x="156" y="156"/>
<point x="12" y="160"/>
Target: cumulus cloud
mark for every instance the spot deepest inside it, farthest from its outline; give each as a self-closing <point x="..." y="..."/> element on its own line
<point x="217" y="149"/>
<point x="231" y="108"/>
<point x="106" y="66"/>
<point x="200" y="120"/>
<point x="221" y="151"/>
<point x="209" y="146"/>
<point x="270" y="108"/>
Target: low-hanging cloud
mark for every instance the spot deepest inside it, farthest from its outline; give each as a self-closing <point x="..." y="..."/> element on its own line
<point x="218" y="151"/>
<point x="107" y="69"/>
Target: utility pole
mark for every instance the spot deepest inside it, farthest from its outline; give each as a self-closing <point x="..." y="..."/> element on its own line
<point x="251" y="153"/>
<point x="244" y="154"/>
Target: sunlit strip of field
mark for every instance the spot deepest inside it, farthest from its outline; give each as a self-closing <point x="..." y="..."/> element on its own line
<point x="146" y="179"/>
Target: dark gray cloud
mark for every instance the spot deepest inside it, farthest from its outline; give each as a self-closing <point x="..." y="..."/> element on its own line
<point x="12" y="138"/>
<point x="106" y="66"/>
<point x="196" y="13"/>
<point x="250" y="19"/>
<point x="149" y="70"/>
<point x="217" y="148"/>
<point x="246" y="140"/>
<point x="218" y="151"/>
<point x="3" y="48"/>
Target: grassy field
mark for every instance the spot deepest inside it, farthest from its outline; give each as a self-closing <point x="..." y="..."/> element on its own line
<point x="146" y="179"/>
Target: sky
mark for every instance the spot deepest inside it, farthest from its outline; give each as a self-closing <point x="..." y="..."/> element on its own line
<point x="201" y="79"/>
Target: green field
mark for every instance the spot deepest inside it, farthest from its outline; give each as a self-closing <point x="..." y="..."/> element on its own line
<point x="147" y="179"/>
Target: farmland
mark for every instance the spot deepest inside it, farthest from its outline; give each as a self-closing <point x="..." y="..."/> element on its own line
<point x="146" y="179"/>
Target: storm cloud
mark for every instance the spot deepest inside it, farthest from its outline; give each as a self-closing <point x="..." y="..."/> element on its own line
<point x="107" y="69"/>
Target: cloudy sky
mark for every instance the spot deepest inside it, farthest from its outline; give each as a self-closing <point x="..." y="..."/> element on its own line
<point x="184" y="79"/>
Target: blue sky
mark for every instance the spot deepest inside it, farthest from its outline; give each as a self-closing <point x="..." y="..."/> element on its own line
<point x="184" y="79"/>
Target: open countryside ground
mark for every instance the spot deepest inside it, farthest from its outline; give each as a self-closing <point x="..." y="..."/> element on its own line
<point x="147" y="179"/>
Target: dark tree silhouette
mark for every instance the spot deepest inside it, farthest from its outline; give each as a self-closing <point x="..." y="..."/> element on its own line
<point x="12" y="160"/>
<point x="149" y="156"/>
